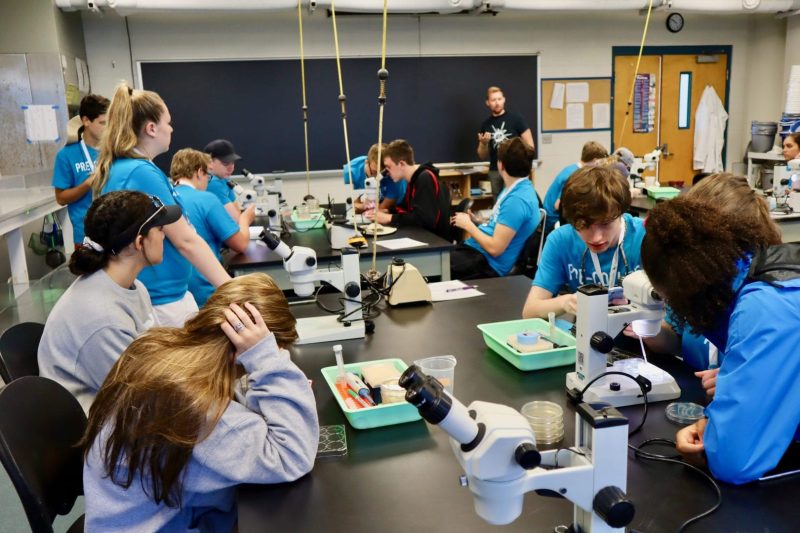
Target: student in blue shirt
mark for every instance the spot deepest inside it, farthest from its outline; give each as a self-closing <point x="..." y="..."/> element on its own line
<point x="189" y="171"/>
<point x="493" y="247"/>
<point x="734" y="196"/>
<point x="366" y="166"/>
<point x="745" y="298"/>
<point x="223" y="161"/>
<point x="138" y="130"/>
<point x="601" y="243"/>
<point x="75" y="163"/>
<point x="590" y="152"/>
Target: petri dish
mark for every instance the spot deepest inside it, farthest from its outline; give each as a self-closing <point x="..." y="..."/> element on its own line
<point x="684" y="413"/>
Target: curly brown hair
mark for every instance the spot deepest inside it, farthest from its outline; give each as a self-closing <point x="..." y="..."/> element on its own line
<point x="690" y="253"/>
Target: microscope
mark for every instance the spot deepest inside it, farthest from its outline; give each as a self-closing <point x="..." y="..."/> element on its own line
<point x="496" y="447"/>
<point x="597" y="324"/>
<point x="301" y="264"/>
<point x="646" y="162"/>
<point x="267" y="197"/>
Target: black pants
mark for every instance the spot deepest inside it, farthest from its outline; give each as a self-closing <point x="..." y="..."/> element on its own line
<point x="468" y="263"/>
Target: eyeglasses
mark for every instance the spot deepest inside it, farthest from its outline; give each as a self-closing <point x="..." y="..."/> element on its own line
<point x="159" y="205"/>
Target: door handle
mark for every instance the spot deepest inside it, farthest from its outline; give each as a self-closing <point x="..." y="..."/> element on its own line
<point x="665" y="153"/>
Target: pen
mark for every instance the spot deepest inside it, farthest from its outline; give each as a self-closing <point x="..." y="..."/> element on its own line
<point x="356" y="398"/>
<point x="465" y="287"/>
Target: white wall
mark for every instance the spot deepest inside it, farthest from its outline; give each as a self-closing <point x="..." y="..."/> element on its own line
<point x="570" y="44"/>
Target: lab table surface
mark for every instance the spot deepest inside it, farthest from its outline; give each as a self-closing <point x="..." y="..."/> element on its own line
<point x="405" y="477"/>
<point x="432" y="260"/>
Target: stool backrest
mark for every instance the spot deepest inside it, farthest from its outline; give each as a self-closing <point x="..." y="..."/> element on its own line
<point x="19" y="346"/>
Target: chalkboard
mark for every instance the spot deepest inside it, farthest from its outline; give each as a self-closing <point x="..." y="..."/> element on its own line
<point x="436" y="103"/>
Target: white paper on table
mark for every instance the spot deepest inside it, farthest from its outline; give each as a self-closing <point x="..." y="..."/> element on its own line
<point x="578" y="92"/>
<point x="41" y="123"/>
<point x="601" y="116"/>
<point x="399" y="244"/>
<point x="557" y="100"/>
<point x="575" y="117"/>
<point x="452" y="290"/>
<point x="255" y="232"/>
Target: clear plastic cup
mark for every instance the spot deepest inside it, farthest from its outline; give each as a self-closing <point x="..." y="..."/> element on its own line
<point x="441" y="367"/>
<point x="303" y="212"/>
<point x="392" y="392"/>
<point x="546" y="420"/>
<point x="313" y="205"/>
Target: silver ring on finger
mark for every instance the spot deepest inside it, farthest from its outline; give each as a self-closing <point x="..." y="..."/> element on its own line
<point x="238" y="327"/>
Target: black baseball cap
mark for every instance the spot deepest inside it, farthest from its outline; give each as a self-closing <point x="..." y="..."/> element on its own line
<point x="223" y="150"/>
<point x="157" y="215"/>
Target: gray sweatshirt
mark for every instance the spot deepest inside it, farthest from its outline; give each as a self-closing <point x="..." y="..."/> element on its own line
<point x="271" y="439"/>
<point x="90" y="326"/>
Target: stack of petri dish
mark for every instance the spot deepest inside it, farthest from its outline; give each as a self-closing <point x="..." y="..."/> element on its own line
<point x="547" y="421"/>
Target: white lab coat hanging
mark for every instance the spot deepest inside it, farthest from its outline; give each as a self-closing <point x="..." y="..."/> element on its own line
<point x="709" y="132"/>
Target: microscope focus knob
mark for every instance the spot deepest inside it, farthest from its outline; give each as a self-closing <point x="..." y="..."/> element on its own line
<point x="527" y="456"/>
<point x="613" y="506"/>
<point x="311" y="261"/>
<point x="602" y="342"/>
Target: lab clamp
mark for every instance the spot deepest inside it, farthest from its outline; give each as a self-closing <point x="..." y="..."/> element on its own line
<point x="496" y="447"/>
<point x="267" y="197"/>
<point x="301" y="264"/>
<point x="597" y="324"/>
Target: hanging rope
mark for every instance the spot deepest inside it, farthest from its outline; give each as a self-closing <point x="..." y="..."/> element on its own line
<point x="635" y="73"/>
<point x="303" y="82"/>
<point x="383" y="77"/>
<point x="343" y="104"/>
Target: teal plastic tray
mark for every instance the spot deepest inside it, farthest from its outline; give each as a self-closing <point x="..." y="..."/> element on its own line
<point x="496" y="334"/>
<point x="658" y="193"/>
<point x="317" y="220"/>
<point x="372" y="417"/>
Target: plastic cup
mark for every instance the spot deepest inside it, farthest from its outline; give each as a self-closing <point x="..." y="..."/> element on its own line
<point x="313" y="205"/>
<point x="392" y="392"/>
<point x="441" y="367"/>
<point x="303" y="212"/>
<point x="546" y="420"/>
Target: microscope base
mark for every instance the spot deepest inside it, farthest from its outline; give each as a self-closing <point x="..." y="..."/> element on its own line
<point x="327" y="329"/>
<point x="664" y="386"/>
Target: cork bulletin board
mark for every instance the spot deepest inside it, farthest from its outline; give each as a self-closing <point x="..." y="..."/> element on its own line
<point x="589" y="98"/>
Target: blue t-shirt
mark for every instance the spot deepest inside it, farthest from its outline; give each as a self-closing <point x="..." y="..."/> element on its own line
<point x="389" y="188"/>
<point x="219" y="188"/>
<point x="168" y="281"/>
<point x="754" y="416"/>
<point x="517" y="208"/>
<point x="213" y="223"/>
<point x="554" y="193"/>
<point x="566" y="261"/>
<point x="72" y="169"/>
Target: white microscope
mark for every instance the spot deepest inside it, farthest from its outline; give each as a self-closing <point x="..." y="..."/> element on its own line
<point x="597" y="324"/>
<point x="641" y="164"/>
<point x="495" y="445"/>
<point x="267" y="197"/>
<point x="301" y="264"/>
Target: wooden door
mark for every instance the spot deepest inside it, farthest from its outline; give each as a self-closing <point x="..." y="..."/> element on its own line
<point x="639" y="143"/>
<point x="712" y="71"/>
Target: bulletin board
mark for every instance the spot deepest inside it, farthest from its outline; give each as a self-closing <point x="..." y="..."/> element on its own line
<point x="592" y="95"/>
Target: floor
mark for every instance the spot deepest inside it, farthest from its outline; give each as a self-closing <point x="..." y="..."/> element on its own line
<point x="12" y="515"/>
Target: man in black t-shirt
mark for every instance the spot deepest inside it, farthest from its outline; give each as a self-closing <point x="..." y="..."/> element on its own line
<point x="500" y="126"/>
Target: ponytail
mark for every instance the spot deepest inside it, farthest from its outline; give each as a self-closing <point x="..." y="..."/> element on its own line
<point x="129" y="111"/>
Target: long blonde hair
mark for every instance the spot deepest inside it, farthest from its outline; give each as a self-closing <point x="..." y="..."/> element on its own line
<point x="128" y="113"/>
<point x="170" y="387"/>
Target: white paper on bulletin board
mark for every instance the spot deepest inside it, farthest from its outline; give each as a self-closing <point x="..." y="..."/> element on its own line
<point x="575" y="120"/>
<point x="578" y="92"/>
<point x="557" y="100"/>
<point x="601" y="116"/>
<point x="41" y="123"/>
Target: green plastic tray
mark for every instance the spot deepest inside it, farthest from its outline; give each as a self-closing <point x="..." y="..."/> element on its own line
<point x="317" y="220"/>
<point x="658" y="193"/>
<point x="496" y="334"/>
<point x="373" y="417"/>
